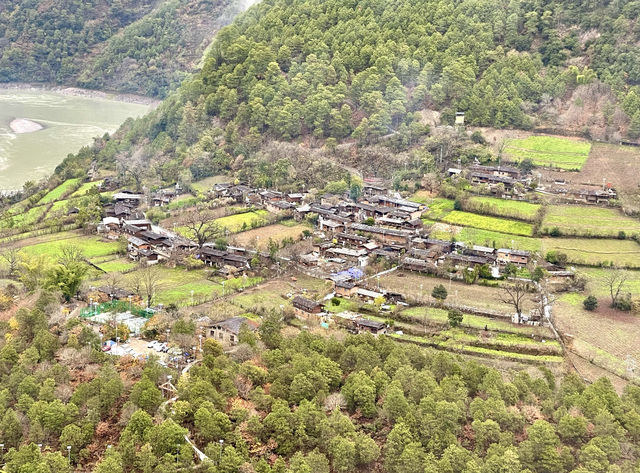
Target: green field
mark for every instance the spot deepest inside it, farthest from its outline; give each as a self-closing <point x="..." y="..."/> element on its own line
<point x="234" y="223"/>
<point x="599" y="288"/>
<point x="207" y="183"/>
<point x="473" y="321"/>
<point x="29" y="217"/>
<point x="549" y="151"/>
<point x="442" y="210"/>
<point x="59" y="191"/>
<point x="476" y="236"/>
<point x="439" y="208"/>
<point x="594" y="251"/>
<point x="176" y="284"/>
<point x="84" y="188"/>
<point x="484" y="222"/>
<point x="576" y="220"/>
<point x="92" y="246"/>
<point x="503" y="207"/>
<point x="117" y="265"/>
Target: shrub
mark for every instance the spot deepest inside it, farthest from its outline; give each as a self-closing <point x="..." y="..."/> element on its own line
<point x="477" y="137"/>
<point x="624" y="304"/>
<point x="439" y="293"/>
<point x="590" y="303"/>
<point x="622" y="235"/>
<point x="455" y="317"/>
<point x="555" y="232"/>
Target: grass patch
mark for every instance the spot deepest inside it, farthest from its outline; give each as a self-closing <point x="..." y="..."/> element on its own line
<point x="234" y="223"/>
<point x="457" y="346"/>
<point x="593" y="251"/>
<point x="483" y="222"/>
<point x="343" y="305"/>
<point x="24" y="219"/>
<point x="421" y="197"/>
<point x="476" y="236"/>
<point x="183" y="201"/>
<point x="205" y="184"/>
<point x="60" y="191"/>
<point x="116" y="266"/>
<point x="503" y="207"/>
<point x="473" y="321"/>
<point x="576" y="220"/>
<point x="549" y="151"/>
<point x="86" y="187"/>
<point x="439" y="208"/>
<point x="92" y="246"/>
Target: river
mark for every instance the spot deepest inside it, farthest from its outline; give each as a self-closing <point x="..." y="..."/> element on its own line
<point x="68" y="122"/>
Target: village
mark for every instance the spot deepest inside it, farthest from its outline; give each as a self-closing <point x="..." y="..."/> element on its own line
<point x="379" y="227"/>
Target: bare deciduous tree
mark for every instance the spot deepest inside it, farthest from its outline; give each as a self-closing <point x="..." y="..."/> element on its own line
<point x="151" y="281"/>
<point x="70" y="254"/>
<point x="135" y="165"/>
<point x="12" y="257"/>
<point x="113" y="281"/>
<point x="200" y="225"/>
<point x="514" y="294"/>
<point x="615" y="281"/>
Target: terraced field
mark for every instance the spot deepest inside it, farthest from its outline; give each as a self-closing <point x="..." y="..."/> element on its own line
<point x="60" y="191"/>
<point x="595" y="251"/>
<point x="549" y="151"/>
<point x="502" y="207"/>
<point x="589" y="221"/>
<point x="483" y="222"/>
<point x="490" y="238"/>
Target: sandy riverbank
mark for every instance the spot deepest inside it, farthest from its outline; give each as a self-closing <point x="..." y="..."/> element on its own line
<point x="77" y="92"/>
<point x="23" y="125"/>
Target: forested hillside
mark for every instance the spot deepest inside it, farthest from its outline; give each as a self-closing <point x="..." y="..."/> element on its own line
<point x="371" y="72"/>
<point x="132" y="46"/>
<point x="296" y="405"/>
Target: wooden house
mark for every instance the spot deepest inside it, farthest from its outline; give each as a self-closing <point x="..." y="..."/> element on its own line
<point x="363" y="325"/>
<point x="304" y="307"/>
<point x="519" y="257"/>
<point x="227" y="331"/>
<point x="344" y="288"/>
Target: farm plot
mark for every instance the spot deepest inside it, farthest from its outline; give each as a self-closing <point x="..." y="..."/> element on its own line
<point x="604" y="334"/>
<point x="60" y="191"/>
<point x="593" y="251"/>
<point x="241" y="221"/>
<point x="91" y="246"/>
<point x="549" y="151"/>
<point x="476" y="236"/>
<point x="86" y="187"/>
<point x="175" y="286"/>
<point x="261" y="236"/>
<point x="419" y="287"/>
<point x="483" y="222"/>
<point x="477" y="322"/>
<point x="598" y="287"/>
<point x="439" y="208"/>
<point x="576" y="220"/>
<point x="24" y="219"/>
<point x="502" y="207"/>
<point x="207" y="183"/>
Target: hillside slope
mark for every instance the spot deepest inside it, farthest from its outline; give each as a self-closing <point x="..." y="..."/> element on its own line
<point x="325" y="73"/>
<point x="132" y="46"/>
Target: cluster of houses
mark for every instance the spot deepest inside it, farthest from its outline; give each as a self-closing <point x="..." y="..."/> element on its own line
<point x="309" y="310"/>
<point x="498" y="178"/>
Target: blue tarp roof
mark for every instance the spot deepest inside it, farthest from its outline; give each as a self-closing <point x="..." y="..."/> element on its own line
<point x="354" y="273"/>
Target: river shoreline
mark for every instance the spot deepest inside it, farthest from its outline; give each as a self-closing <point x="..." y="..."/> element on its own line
<point x="78" y="92"/>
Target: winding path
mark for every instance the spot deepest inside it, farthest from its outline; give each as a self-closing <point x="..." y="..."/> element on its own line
<point x="201" y="455"/>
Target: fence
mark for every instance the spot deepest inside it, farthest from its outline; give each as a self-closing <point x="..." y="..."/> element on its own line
<point x="115" y="306"/>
